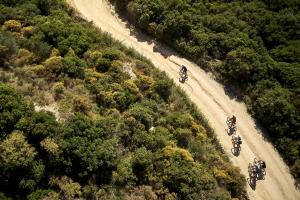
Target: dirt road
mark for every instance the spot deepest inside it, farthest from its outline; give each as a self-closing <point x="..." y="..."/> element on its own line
<point x="211" y="99"/>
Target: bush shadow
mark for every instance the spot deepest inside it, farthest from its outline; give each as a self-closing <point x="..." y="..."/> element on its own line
<point x="158" y="47"/>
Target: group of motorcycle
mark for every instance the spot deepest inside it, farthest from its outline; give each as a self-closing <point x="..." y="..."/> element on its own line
<point x="257" y="169"/>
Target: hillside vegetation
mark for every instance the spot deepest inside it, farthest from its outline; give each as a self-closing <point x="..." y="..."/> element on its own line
<point x="120" y="128"/>
<point x="258" y="44"/>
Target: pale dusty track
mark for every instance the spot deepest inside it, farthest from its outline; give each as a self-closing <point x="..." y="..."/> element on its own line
<point x="211" y="99"/>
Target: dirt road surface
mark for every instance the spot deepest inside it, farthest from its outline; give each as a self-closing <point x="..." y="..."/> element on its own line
<point x="209" y="96"/>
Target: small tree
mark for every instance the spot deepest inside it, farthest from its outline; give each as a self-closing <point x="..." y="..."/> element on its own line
<point x="28" y="31"/>
<point x="103" y="64"/>
<point x="3" y="197"/>
<point x="111" y="54"/>
<point x="43" y="194"/>
<point x="145" y="82"/>
<point x="141" y="163"/>
<point x="50" y="146"/>
<point x="8" y="45"/>
<point x="54" y="64"/>
<point x="124" y="99"/>
<point x="16" y="152"/>
<point x="12" y="108"/>
<point x="58" y="89"/>
<point x="24" y="57"/>
<point x="163" y="88"/>
<point x="73" y="66"/>
<point x="124" y="174"/>
<point x="13" y="25"/>
<point x="68" y="187"/>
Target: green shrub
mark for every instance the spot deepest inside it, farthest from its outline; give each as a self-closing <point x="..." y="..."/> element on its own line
<point x="111" y="54"/>
<point x="24" y="57"/>
<point x="124" y="99"/>
<point x="54" y="64"/>
<point x="163" y="88"/>
<point x="58" y="89"/>
<point x="73" y="67"/>
<point x="124" y="174"/>
<point x="12" y="109"/>
<point x="3" y="197"/>
<point x="39" y="194"/>
<point x="8" y="45"/>
<point x="40" y="48"/>
<point x="103" y="64"/>
<point x="16" y="152"/>
<point x="13" y="25"/>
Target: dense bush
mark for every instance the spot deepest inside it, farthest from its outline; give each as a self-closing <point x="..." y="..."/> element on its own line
<point x="256" y="40"/>
<point x="114" y="133"/>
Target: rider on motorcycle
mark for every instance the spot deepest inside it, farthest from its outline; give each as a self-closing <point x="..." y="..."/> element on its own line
<point x="259" y="166"/>
<point x="233" y="120"/>
<point x="183" y="69"/>
<point x="237" y="139"/>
